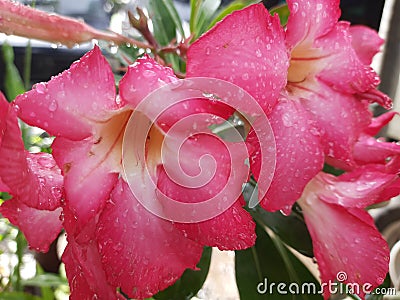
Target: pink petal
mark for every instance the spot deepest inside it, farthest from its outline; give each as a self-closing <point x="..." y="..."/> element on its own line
<point x="72" y="102"/>
<point x="359" y="188"/>
<point x="232" y="228"/>
<point x="87" y="279"/>
<point x="246" y="48"/>
<point x="366" y="42"/>
<point x="299" y="155"/>
<point x="359" y="250"/>
<point x="4" y="187"/>
<point x="89" y="176"/>
<point x="327" y="107"/>
<point x="145" y="76"/>
<point x="40" y="227"/>
<point x="342" y="69"/>
<point x="369" y="150"/>
<point x="25" y="21"/>
<point x="379" y="122"/>
<point x="141" y="253"/>
<point x="33" y="178"/>
<point x="310" y="20"/>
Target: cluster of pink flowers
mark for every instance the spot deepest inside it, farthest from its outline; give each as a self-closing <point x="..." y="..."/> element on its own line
<point x="313" y="81"/>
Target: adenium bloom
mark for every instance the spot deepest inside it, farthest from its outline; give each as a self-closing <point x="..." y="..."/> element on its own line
<point x="344" y="236"/>
<point x="102" y="217"/>
<point x="25" y="21"/>
<point x="314" y="71"/>
<point x="34" y="181"/>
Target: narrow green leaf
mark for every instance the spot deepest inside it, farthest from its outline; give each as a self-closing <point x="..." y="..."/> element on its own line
<point x="169" y="5"/>
<point x="230" y="8"/>
<point x="202" y="14"/>
<point x="283" y="13"/>
<point x="260" y="269"/>
<point x="17" y="296"/>
<point x="190" y="282"/>
<point x="46" y="280"/>
<point x="13" y="83"/>
<point x="291" y="229"/>
<point x="163" y="23"/>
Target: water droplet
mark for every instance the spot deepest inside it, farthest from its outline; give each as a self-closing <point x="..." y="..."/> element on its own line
<point x="41" y="88"/>
<point x="208" y="50"/>
<point x="258" y="53"/>
<point x="53" y="106"/>
<point x="245" y="76"/>
<point x="287" y="120"/>
<point x="295" y="7"/>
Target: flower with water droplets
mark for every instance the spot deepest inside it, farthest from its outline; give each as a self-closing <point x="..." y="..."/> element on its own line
<point x="341" y="229"/>
<point x="108" y="228"/>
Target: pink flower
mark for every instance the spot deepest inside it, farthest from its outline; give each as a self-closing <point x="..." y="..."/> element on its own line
<point x="18" y="19"/>
<point x="108" y="229"/>
<point x="344" y="235"/>
<point x="34" y="181"/>
<point x="315" y="71"/>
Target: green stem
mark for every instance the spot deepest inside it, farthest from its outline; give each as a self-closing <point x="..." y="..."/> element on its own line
<point x="27" y="66"/>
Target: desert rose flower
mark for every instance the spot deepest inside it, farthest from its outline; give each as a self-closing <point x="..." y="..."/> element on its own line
<point x="313" y="70"/>
<point x="345" y="239"/>
<point x="34" y="181"/>
<point x="108" y="229"/>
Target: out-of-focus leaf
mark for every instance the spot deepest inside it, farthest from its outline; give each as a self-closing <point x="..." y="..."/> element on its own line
<point x="13" y="83"/>
<point x="283" y="13"/>
<point x="291" y="229"/>
<point x="230" y="8"/>
<point x="45" y="280"/>
<point x="260" y="269"/>
<point x="332" y="170"/>
<point x="190" y="283"/>
<point x="165" y="24"/>
<point x="17" y="296"/>
<point x="202" y="14"/>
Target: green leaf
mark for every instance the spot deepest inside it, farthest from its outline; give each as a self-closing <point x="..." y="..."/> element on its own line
<point x="291" y="229"/>
<point x="230" y="8"/>
<point x="283" y="13"/>
<point x="13" y="83"/>
<point x="17" y="296"/>
<point x="190" y="283"/>
<point x="268" y="264"/>
<point x="46" y="280"/>
<point x="166" y="22"/>
<point x="202" y="14"/>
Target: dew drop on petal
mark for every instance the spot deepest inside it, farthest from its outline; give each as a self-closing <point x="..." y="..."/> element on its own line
<point x="245" y="76"/>
<point x="53" y="106"/>
<point x="40" y="88"/>
<point x="295" y="7"/>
